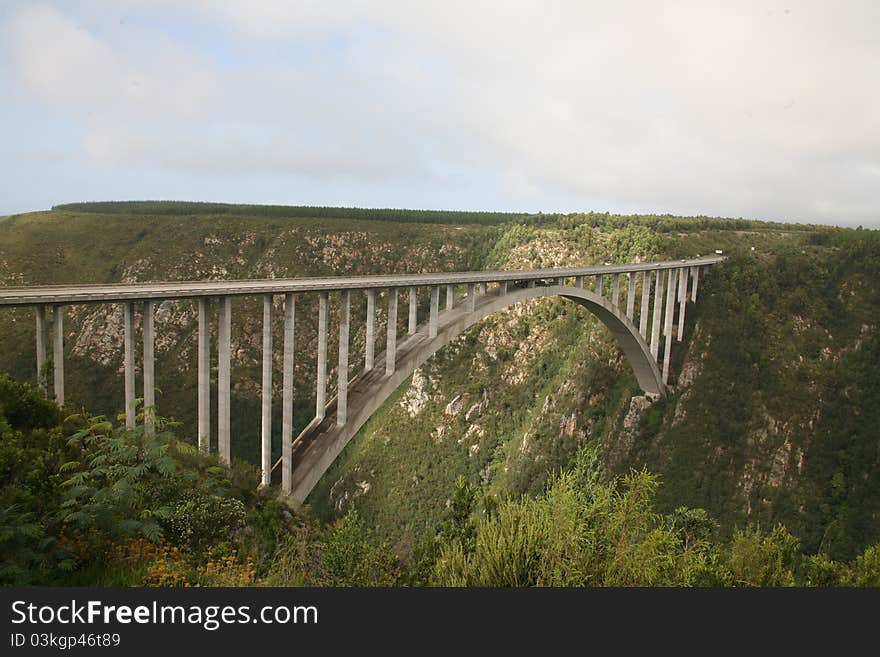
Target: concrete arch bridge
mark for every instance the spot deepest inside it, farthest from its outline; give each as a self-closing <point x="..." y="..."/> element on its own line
<point x="637" y="302"/>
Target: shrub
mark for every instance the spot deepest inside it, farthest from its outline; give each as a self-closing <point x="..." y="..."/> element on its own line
<point x="200" y="520"/>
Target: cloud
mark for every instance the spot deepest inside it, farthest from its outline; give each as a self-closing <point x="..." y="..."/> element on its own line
<point x="762" y="109"/>
<point x="61" y="62"/>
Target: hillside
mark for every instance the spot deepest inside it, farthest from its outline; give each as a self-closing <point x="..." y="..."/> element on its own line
<point x="773" y="417"/>
<point x="58" y="246"/>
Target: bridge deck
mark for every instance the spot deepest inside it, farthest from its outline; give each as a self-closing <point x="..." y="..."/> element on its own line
<point x="66" y="294"/>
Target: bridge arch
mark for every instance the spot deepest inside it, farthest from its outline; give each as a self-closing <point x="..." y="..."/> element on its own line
<point x="321" y="442"/>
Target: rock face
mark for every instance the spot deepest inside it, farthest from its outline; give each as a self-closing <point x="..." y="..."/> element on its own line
<point x="417" y="395"/>
<point x="454" y="407"/>
<point x="637" y="406"/>
<point x="621" y="443"/>
<point x="477" y="409"/>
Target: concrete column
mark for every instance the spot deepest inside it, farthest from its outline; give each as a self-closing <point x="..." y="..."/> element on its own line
<point x="682" y="301"/>
<point x="434" y="316"/>
<point x="450" y="297"/>
<point x="41" y="348"/>
<point x="643" y="310"/>
<point x="204" y="382"/>
<point x="342" y="370"/>
<point x="224" y="367"/>
<point x="630" y="294"/>
<point x="502" y="288"/>
<point x="413" y="311"/>
<point x="558" y="281"/>
<point x="532" y="283"/>
<point x="695" y="272"/>
<point x="287" y="396"/>
<point x="615" y="290"/>
<point x="578" y="281"/>
<point x="658" y="308"/>
<point x="483" y="289"/>
<point x="370" y="347"/>
<point x="266" y="394"/>
<point x="321" y="379"/>
<point x="599" y="285"/>
<point x="670" y="310"/>
<point x="149" y="329"/>
<point x="58" y="353"/>
<point x="128" y="362"/>
<point x="391" y="337"/>
<point x="472" y="297"/>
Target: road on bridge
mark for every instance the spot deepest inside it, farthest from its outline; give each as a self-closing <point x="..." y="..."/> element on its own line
<point x="66" y="294"/>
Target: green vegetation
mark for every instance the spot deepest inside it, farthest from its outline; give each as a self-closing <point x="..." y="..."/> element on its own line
<point x="106" y="506"/>
<point x="787" y="391"/>
<point x="529" y="423"/>
<point x="587" y="532"/>
<point x="84" y="502"/>
<point x="605" y="220"/>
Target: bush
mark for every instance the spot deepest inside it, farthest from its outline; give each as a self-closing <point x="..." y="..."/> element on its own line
<point x="580" y="532"/>
<point x="758" y="559"/>
<point x="200" y="520"/>
<point x="866" y="570"/>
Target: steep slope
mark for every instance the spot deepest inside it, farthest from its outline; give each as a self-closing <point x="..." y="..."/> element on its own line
<point x="777" y="415"/>
<point x="512" y="399"/>
<point x="773" y="416"/>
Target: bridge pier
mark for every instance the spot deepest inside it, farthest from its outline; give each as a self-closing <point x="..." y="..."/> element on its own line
<point x="41" y="347"/>
<point x="391" y="337"/>
<point x="149" y="330"/>
<point x="58" y="353"/>
<point x="695" y="272"/>
<point x="342" y="370"/>
<point x="667" y="330"/>
<point x="578" y="281"/>
<point x="321" y="380"/>
<point x="204" y="379"/>
<point x="128" y="363"/>
<point x="434" y="315"/>
<point x="450" y="297"/>
<point x="682" y="301"/>
<point x="483" y="289"/>
<point x="630" y="294"/>
<point x="599" y="285"/>
<point x="658" y="307"/>
<point x="643" y="310"/>
<point x="266" y="394"/>
<point x="370" y="346"/>
<point x="224" y="351"/>
<point x="472" y="297"/>
<point x="615" y="290"/>
<point x="287" y="391"/>
<point x="413" y="311"/>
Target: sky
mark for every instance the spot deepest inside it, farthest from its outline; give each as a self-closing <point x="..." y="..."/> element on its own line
<point x="765" y="110"/>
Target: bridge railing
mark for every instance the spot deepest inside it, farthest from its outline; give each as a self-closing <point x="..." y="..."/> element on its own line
<point x="679" y="281"/>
